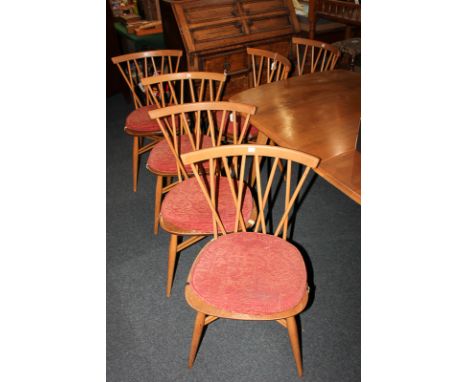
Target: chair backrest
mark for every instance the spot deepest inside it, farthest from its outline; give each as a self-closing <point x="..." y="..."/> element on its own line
<point x="185" y="87"/>
<point x="322" y="56"/>
<point x="233" y="161"/>
<point x="136" y="66"/>
<point x="277" y="66"/>
<point x="200" y="124"/>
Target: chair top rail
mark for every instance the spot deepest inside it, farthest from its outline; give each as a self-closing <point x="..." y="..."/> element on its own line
<point x="315" y="43"/>
<point x="184" y="76"/>
<point x="249" y="150"/>
<point x="270" y="54"/>
<point x="200" y="106"/>
<point x="146" y="54"/>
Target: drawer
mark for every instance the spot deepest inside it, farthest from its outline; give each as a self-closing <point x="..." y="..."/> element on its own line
<point x="232" y="62"/>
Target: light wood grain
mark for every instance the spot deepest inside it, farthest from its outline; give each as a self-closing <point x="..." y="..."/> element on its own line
<point x="344" y="172"/>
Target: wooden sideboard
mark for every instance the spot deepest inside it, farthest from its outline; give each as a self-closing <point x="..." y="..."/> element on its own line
<point x="214" y="34"/>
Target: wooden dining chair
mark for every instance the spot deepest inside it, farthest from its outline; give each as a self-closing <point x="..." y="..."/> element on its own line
<point x="176" y="89"/>
<point x="323" y="56"/>
<point x="249" y="275"/>
<point x="183" y="211"/>
<point x="134" y="67"/>
<point x="276" y="68"/>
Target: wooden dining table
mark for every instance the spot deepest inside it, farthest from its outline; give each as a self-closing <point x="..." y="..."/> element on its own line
<point x="318" y="114"/>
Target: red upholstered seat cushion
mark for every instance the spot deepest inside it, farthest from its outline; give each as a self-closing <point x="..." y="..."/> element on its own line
<point x="251" y="130"/>
<point x="140" y="121"/>
<point x="250" y="273"/>
<point x="185" y="207"/>
<point x="161" y="158"/>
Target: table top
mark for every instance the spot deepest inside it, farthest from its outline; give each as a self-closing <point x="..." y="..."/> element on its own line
<point x="318" y="114"/>
<point x="344" y="172"/>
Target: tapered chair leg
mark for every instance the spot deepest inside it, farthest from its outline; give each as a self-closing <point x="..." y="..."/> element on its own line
<point x="157" y="202"/>
<point x="135" y="162"/>
<point x="171" y="263"/>
<point x="197" y="331"/>
<point x="294" y="339"/>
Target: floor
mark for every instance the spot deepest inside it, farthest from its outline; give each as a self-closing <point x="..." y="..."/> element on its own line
<point x="148" y="335"/>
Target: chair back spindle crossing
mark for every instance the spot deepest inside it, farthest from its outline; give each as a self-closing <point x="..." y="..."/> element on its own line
<point x="136" y="66"/>
<point x="222" y="160"/>
<point x="185" y="87"/>
<point x="197" y="122"/>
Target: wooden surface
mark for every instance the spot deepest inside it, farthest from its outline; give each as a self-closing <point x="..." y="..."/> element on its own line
<point x="318" y="114"/>
<point x="344" y="172"/>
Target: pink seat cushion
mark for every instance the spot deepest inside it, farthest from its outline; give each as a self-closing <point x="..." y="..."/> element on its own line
<point x="185" y="207"/>
<point x="161" y="158"/>
<point x="250" y="273"/>
<point x="251" y="130"/>
<point x="140" y="121"/>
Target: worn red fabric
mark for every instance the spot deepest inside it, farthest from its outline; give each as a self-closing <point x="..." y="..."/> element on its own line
<point x="250" y="273"/>
<point x="139" y="120"/>
<point x="161" y="158"/>
<point x="251" y="130"/>
<point x="185" y="206"/>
